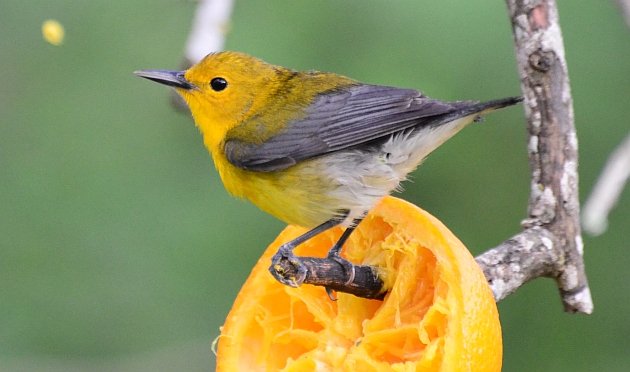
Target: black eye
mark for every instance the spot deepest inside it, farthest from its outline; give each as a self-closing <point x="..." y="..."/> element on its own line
<point x="218" y="84"/>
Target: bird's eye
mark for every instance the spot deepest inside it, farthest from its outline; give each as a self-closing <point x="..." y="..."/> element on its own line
<point x="218" y="84"/>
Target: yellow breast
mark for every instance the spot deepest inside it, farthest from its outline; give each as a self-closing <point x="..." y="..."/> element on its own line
<point x="300" y="195"/>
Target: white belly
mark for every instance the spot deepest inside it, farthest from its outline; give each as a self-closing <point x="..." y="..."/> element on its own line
<point x="361" y="177"/>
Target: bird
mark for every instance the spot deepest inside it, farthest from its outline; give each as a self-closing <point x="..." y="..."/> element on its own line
<point x="314" y="149"/>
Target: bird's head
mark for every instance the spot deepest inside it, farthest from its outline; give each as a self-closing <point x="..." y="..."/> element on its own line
<point x="222" y="90"/>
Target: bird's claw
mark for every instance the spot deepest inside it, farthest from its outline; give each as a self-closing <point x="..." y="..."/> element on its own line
<point x="292" y="276"/>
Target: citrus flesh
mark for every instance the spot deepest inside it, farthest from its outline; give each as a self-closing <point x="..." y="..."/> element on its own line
<point x="438" y="314"/>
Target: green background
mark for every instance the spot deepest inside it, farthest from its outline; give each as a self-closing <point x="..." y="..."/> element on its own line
<point x="120" y="249"/>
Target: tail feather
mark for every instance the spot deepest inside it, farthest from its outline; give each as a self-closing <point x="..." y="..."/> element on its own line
<point x="470" y="108"/>
<point x="488" y="106"/>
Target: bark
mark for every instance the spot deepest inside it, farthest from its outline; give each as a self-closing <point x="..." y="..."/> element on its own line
<point x="552" y="233"/>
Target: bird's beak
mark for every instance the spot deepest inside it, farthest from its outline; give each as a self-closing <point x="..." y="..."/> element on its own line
<point x="174" y="79"/>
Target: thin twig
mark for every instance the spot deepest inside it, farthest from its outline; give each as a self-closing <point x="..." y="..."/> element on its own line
<point x="607" y="190"/>
<point x="207" y="34"/>
<point x="361" y="281"/>
<point x="209" y="28"/>
<point x="624" y="5"/>
<point x="613" y="178"/>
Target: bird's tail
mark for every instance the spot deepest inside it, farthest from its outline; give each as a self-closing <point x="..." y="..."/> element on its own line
<point x="469" y="108"/>
<point x="489" y="106"/>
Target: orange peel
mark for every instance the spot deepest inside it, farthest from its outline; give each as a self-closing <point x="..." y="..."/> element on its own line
<point x="438" y="315"/>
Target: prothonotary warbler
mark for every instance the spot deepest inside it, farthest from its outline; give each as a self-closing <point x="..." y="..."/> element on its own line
<point x="312" y="148"/>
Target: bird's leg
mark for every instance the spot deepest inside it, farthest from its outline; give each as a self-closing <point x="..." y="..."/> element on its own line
<point x="285" y="252"/>
<point x="333" y="254"/>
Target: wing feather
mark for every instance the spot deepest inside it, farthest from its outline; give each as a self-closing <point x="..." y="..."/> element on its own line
<point x="341" y="119"/>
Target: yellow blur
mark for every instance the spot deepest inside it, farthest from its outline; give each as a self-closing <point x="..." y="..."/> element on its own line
<point x="53" y="32"/>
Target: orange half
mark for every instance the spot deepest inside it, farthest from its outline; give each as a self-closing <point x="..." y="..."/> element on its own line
<point x="438" y="315"/>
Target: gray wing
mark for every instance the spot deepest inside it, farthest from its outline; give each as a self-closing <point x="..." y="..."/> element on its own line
<point x="342" y="119"/>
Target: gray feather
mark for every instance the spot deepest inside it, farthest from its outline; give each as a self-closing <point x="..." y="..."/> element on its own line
<point x="350" y="117"/>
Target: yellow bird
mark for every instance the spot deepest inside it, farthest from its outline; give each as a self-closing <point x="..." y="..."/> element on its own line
<point x="312" y="148"/>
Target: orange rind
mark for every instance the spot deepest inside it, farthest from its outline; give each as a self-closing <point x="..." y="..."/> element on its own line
<point x="438" y="314"/>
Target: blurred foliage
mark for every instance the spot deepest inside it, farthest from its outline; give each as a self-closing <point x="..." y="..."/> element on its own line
<point x="119" y="248"/>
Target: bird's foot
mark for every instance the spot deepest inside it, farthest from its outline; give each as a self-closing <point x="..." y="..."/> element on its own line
<point x="287" y="268"/>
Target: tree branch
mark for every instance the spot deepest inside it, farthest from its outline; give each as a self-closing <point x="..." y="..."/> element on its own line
<point x="516" y="261"/>
<point x="552" y="231"/>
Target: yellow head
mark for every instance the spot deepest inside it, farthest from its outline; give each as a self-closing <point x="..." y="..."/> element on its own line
<point x="222" y="90"/>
